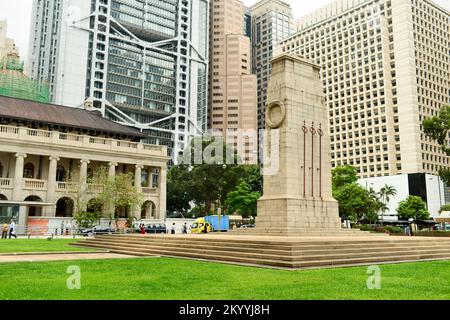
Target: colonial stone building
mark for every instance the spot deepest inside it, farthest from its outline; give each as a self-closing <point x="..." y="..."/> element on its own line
<point x="48" y="151"/>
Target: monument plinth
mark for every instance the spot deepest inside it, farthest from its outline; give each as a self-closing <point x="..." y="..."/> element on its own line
<point x="297" y="172"/>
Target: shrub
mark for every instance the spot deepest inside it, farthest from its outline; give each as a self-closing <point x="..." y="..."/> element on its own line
<point x="445" y="208"/>
<point x="394" y="230"/>
<point x="432" y="234"/>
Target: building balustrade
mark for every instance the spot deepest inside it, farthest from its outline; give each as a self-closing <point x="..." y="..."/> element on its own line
<point x="6" y="183"/>
<point x="67" y="186"/>
<point x="34" y="184"/>
<point x="74" y="140"/>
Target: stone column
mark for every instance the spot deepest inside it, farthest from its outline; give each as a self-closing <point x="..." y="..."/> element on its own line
<point x="83" y="171"/>
<point x="18" y="177"/>
<point x="110" y="209"/>
<point x="138" y="185"/>
<point x="112" y="169"/>
<point x="51" y="185"/>
<point x="162" y="192"/>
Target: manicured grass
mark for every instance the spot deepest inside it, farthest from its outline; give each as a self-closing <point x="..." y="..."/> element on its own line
<point x="38" y="245"/>
<point x="175" y="279"/>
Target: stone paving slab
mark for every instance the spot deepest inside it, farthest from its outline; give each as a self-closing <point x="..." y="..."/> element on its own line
<point x="12" y="258"/>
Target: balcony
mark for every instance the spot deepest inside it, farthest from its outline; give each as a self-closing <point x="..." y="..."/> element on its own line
<point x="6" y="183"/>
<point x="34" y="184"/>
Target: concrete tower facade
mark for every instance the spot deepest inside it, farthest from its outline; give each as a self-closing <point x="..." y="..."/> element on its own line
<point x="385" y="68"/>
<point x="233" y="97"/>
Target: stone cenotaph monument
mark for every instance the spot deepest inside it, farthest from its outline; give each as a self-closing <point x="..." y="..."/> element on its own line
<point x="297" y="172"/>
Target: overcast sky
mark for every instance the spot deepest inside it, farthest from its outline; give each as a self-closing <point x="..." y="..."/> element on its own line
<point x="18" y="13"/>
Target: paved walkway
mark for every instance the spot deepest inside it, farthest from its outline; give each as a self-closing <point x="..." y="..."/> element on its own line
<point x="10" y="258"/>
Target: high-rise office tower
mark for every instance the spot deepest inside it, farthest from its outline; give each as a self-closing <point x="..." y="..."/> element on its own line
<point x="385" y="68"/>
<point x="143" y="63"/>
<point x="233" y="97"/>
<point x="271" y="23"/>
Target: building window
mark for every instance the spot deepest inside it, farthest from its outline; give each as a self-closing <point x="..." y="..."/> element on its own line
<point x="28" y="171"/>
<point x="60" y="174"/>
<point x="1" y="170"/>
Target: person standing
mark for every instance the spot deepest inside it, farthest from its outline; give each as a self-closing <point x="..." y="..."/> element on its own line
<point x="173" y="228"/>
<point x="12" y="230"/>
<point x="62" y="228"/>
<point x="5" y="231"/>
<point x="185" y="228"/>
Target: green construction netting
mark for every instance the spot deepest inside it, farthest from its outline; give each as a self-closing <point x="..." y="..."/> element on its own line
<point x="14" y="83"/>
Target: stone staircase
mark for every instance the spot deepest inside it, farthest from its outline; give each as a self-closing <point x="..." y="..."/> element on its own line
<point x="278" y="252"/>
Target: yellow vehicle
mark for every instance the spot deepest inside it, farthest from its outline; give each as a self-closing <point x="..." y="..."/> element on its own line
<point x="201" y="226"/>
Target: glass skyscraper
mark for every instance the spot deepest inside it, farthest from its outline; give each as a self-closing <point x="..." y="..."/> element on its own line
<point x="142" y="63"/>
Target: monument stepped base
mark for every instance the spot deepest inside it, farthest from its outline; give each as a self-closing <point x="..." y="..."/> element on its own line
<point x="302" y="232"/>
<point x="278" y="252"/>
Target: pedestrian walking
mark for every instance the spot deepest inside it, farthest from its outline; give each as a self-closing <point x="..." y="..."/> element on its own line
<point x="62" y="228"/>
<point x="184" y="228"/>
<point x="12" y="230"/>
<point x="5" y="231"/>
<point x="173" y="229"/>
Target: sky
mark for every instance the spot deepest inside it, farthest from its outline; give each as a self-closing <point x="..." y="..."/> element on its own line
<point x="18" y="14"/>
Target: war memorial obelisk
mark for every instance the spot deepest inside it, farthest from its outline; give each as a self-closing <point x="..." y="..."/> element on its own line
<point x="297" y="196"/>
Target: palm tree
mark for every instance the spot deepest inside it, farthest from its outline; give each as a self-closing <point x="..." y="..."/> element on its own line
<point x="385" y="196"/>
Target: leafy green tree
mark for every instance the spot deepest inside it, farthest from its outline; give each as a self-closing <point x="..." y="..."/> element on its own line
<point x="438" y="129"/>
<point x="214" y="171"/>
<point x="87" y="219"/>
<point x="373" y="206"/>
<point x="352" y="200"/>
<point x="243" y="200"/>
<point x="413" y="208"/>
<point x="344" y="175"/>
<point x="253" y="177"/>
<point x="179" y="190"/>
<point x="119" y="192"/>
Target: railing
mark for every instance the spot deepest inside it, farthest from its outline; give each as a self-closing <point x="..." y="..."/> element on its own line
<point x="5" y="183"/>
<point x="8" y="129"/>
<point x="127" y="144"/>
<point x="68" y="139"/>
<point x="35" y="184"/>
<point x="39" y="133"/>
<point x="66" y="186"/>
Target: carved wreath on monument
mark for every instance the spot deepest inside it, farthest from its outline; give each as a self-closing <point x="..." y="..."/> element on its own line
<point x="275" y="114"/>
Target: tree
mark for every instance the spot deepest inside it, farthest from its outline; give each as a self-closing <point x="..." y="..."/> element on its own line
<point x="344" y="175"/>
<point x="253" y="177"/>
<point x="119" y="192"/>
<point x="438" y="128"/>
<point x="179" y="189"/>
<point x="243" y="200"/>
<point x="86" y="219"/>
<point x="413" y="208"/>
<point x="373" y="206"/>
<point x="352" y="200"/>
<point x="385" y="195"/>
<point x="216" y="175"/>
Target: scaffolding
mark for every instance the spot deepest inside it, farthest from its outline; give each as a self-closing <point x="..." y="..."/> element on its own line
<point x="14" y="83"/>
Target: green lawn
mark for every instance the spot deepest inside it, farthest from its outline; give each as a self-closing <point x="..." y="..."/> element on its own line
<point x="37" y="245"/>
<point x="175" y="279"/>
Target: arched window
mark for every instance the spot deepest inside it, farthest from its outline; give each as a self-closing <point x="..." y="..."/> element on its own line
<point x="61" y="174"/>
<point x="28" y="171"/>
